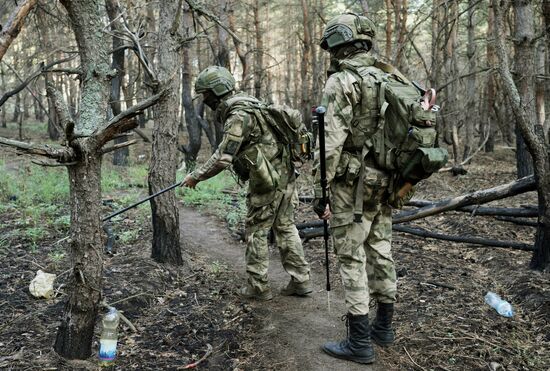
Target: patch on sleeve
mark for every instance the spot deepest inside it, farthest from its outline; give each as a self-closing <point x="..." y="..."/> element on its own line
<point x="231" y="147"/>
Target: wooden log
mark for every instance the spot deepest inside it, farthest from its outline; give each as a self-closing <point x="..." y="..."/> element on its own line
<point x="464" y="239"/>
<point x="310" y="233"/>
<point x="529" y="212"/>
<point x="517" y="221"/>
<point x="479" y="197"/>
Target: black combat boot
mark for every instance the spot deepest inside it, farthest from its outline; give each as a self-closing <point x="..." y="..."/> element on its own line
<point x="381" y="330"/>
<point x="357" y="347"/>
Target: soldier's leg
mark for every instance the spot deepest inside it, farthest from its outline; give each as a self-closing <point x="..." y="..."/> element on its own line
<point x="348" y="238"/>
<point x="287" y="237"/>
<point x="382" y="277"/>
<point x="259" y="220"/>
<point x="380" y="265"/>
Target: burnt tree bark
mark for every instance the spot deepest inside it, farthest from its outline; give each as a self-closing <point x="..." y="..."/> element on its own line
<point x="162" y="171"/>
<point x="522" y="108"/>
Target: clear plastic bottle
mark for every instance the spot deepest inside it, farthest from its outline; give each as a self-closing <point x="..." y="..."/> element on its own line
<point x="501" y="306"/>
<point x="109" y="337"/>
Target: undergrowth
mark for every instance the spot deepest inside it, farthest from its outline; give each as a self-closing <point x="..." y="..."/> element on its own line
<point x="221" y="195"/>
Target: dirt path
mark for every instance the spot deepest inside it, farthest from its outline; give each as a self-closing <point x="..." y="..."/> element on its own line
<point x="291" y="330"/>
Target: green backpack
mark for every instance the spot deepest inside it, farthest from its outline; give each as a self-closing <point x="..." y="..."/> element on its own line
<point x="286" y="123"/>
<point x="404" y="142"/>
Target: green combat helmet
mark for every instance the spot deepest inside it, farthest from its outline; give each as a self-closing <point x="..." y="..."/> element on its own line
<point x="216" y="79"/>
<point x="346" y="28"/>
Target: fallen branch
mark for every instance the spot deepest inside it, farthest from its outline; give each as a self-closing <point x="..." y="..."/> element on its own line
<point x="317" y="231"/>
<point x="517" y="221"/>
<point x="488" y="211"/>
<point x="464" y="239"/>
<point x="195" y="364"/>
<point x="479" y="197"/>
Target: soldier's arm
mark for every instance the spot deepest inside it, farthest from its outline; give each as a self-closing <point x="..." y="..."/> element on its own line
<point x="228" y="148"/>
<point x="339" y="97"/>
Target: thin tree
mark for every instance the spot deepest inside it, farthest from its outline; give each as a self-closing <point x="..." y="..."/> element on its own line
<point x="531" y="132"/>
<point x="162" y="169"/>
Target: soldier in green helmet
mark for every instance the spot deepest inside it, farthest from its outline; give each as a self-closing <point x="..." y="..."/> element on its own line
<point x="360" y="217"/>
<point x="252" y="147"/>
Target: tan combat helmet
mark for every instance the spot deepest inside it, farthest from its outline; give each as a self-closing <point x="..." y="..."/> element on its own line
<point x="215" y="79"/>
<point x="346" y="28"/>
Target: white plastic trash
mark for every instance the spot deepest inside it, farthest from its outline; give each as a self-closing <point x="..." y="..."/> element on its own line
<point x="41" y="286"/>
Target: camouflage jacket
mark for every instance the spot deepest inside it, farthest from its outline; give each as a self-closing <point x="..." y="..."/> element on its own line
<point x="250" y="145"/>
<point x="347" y="127"/>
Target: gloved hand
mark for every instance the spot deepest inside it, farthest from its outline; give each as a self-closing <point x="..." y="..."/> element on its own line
<point x="321" y="209"/>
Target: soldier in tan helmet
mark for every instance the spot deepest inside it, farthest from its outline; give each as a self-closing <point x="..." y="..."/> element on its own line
<point x="360" y="217"/>
<point x="251" y="146"/>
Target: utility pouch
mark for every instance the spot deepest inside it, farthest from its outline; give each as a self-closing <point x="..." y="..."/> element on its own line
<point x="354" y="167"/>
<point x="342" y="165"/>
<point x="263" y="176"/>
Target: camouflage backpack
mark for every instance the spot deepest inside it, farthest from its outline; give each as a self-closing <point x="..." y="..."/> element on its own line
<point x="404" y="141"/>
<point x="286" y="123"/>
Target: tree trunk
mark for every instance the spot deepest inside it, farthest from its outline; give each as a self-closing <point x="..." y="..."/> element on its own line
<point x="471" y="111"/>
<point x="120" y="156"/>
<point x="259" y="53"/>
<point x="240" y="52"/>
<point x="388" y="30"/>
<point x="524" y="57"/>
<point x="546" y="25"/>
<point x="490" y="125"/>
<point x="75" y="333"/>
<point x="306" y="62"/>
<point x="222" y="58"/>
<point x="192" y="119"/>
<point x="162" y="172"/>
<point x="522" y="108"/>
<point x="3" y="121"/>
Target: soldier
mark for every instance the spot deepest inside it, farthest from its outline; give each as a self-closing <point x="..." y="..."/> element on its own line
<point x="251" y="146"/>
<point x="361" y="230"/>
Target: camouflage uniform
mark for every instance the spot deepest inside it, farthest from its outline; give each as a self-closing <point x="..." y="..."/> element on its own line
<point x="272" y="195"/>
<point x="363" y="249"/>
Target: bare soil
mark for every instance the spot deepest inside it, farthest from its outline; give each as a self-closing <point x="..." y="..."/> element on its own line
<point x="441" y="320"/>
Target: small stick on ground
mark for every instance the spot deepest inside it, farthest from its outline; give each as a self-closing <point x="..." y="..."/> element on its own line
<point x="195" y="364"/>
<point x="412" y="360"/>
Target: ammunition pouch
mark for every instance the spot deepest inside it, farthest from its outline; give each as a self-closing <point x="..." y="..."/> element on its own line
<point x="423" y="163"/>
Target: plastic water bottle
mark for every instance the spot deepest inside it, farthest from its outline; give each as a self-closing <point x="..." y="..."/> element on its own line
<point x="109" y="337"/>
<point x="501" y="306"/>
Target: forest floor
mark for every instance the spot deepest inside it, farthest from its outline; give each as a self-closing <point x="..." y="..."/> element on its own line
<point x="179" y="313"/>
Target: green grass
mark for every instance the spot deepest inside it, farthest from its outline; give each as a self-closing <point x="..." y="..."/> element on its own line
<point x="210" y="195"/>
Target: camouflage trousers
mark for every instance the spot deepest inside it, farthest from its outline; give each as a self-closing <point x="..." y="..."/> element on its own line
<point x="273" y="211"/>
<point x="363" y="249"/>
